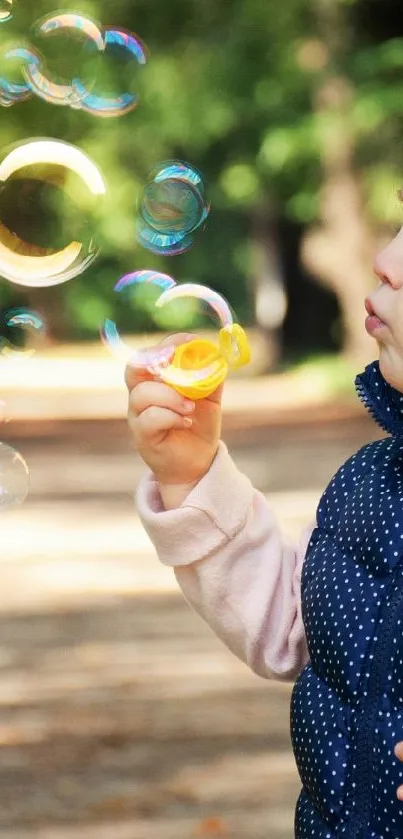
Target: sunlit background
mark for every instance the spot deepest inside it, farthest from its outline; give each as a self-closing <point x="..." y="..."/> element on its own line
<point x="121" y="716"/>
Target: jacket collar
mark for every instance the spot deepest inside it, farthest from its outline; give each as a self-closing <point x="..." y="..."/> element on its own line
<point x="384" y="403"/>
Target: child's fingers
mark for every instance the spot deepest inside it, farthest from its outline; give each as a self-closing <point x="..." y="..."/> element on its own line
<point x="134" y="374"/>
<point x="151" y="393"/>
<point x="217" y="395"/>
<point x="154" y="422"/>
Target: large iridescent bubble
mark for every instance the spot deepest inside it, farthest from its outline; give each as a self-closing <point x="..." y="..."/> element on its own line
<point x="75" y="62"/>
<point x="57" y="79"/>
<point x="172" y="208"/>
<point x="49" y="200"/>
<point x="123" y="52"/>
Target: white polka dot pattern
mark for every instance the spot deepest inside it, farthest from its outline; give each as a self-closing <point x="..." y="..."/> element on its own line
<point x="347" y="704"/>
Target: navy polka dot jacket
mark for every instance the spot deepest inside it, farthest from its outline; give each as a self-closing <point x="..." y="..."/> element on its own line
<point x="347" y="704"/>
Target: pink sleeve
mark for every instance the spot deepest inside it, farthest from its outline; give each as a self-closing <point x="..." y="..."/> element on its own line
<point x="233" y="566"/>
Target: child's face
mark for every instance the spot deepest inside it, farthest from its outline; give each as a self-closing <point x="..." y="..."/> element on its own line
<point x="385" y="310"/>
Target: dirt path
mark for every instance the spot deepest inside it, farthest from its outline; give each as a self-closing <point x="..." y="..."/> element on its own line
<point x="121" y="715"/>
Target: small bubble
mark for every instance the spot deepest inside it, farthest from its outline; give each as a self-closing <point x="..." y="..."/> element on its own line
<point x="14" y="478"/>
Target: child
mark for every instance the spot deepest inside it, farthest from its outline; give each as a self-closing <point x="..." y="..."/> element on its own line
<point x="328" y="612"/>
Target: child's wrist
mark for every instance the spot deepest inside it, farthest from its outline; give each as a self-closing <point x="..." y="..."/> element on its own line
<point x="173" y="495"/>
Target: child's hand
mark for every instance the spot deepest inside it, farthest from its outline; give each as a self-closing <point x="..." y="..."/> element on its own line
<point x="399" y="754"/>
<point x="178" y="442"/>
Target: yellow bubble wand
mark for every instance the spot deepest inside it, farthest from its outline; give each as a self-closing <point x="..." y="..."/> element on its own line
<point x="198" y="367"/>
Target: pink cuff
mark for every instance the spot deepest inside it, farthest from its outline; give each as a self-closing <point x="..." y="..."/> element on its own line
<point x="213" y="512"/>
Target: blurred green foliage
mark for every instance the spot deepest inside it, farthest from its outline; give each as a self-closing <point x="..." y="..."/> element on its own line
<point x="230" y="88"/>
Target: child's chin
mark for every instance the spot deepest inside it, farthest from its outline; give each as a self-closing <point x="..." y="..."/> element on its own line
<point x="392" y="370"/>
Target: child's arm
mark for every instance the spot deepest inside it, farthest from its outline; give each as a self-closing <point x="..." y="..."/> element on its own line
<point x="233" y="566"/>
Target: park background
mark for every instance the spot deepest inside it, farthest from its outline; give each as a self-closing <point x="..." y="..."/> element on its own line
<point x="120" y="714"/>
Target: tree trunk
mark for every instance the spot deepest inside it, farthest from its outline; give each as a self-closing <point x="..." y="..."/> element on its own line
<point x="339" y="251"/>
<point x="268" y="286"/>
<point x="339" y="254"/>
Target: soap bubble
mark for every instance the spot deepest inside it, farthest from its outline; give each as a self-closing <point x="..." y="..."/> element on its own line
<point x="56" y="78"/>
<point x="14" y="478"/>
<point x="123" y="50"/>
<point x="109" y="331"/>
<point x="172" y="208"/>
<point x="49" y="197"/>
<point x="146" y="276"/>
<point x="6" y="10"/>
<point x="207" y="295"/>
<point x="19" y="329"/>
<point x="12" y="87"/>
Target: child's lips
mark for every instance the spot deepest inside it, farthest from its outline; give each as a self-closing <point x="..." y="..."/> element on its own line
<point x="373" y="322"/>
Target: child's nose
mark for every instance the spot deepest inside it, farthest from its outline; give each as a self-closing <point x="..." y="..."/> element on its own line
<point x="388" y="264"/>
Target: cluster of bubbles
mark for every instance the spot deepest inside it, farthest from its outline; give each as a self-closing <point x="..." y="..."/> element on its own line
<point x="14" y="472"/>
<point x="171" y="209"/>
<point x="97" y="61"/>
<point x="50" y="195"/>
